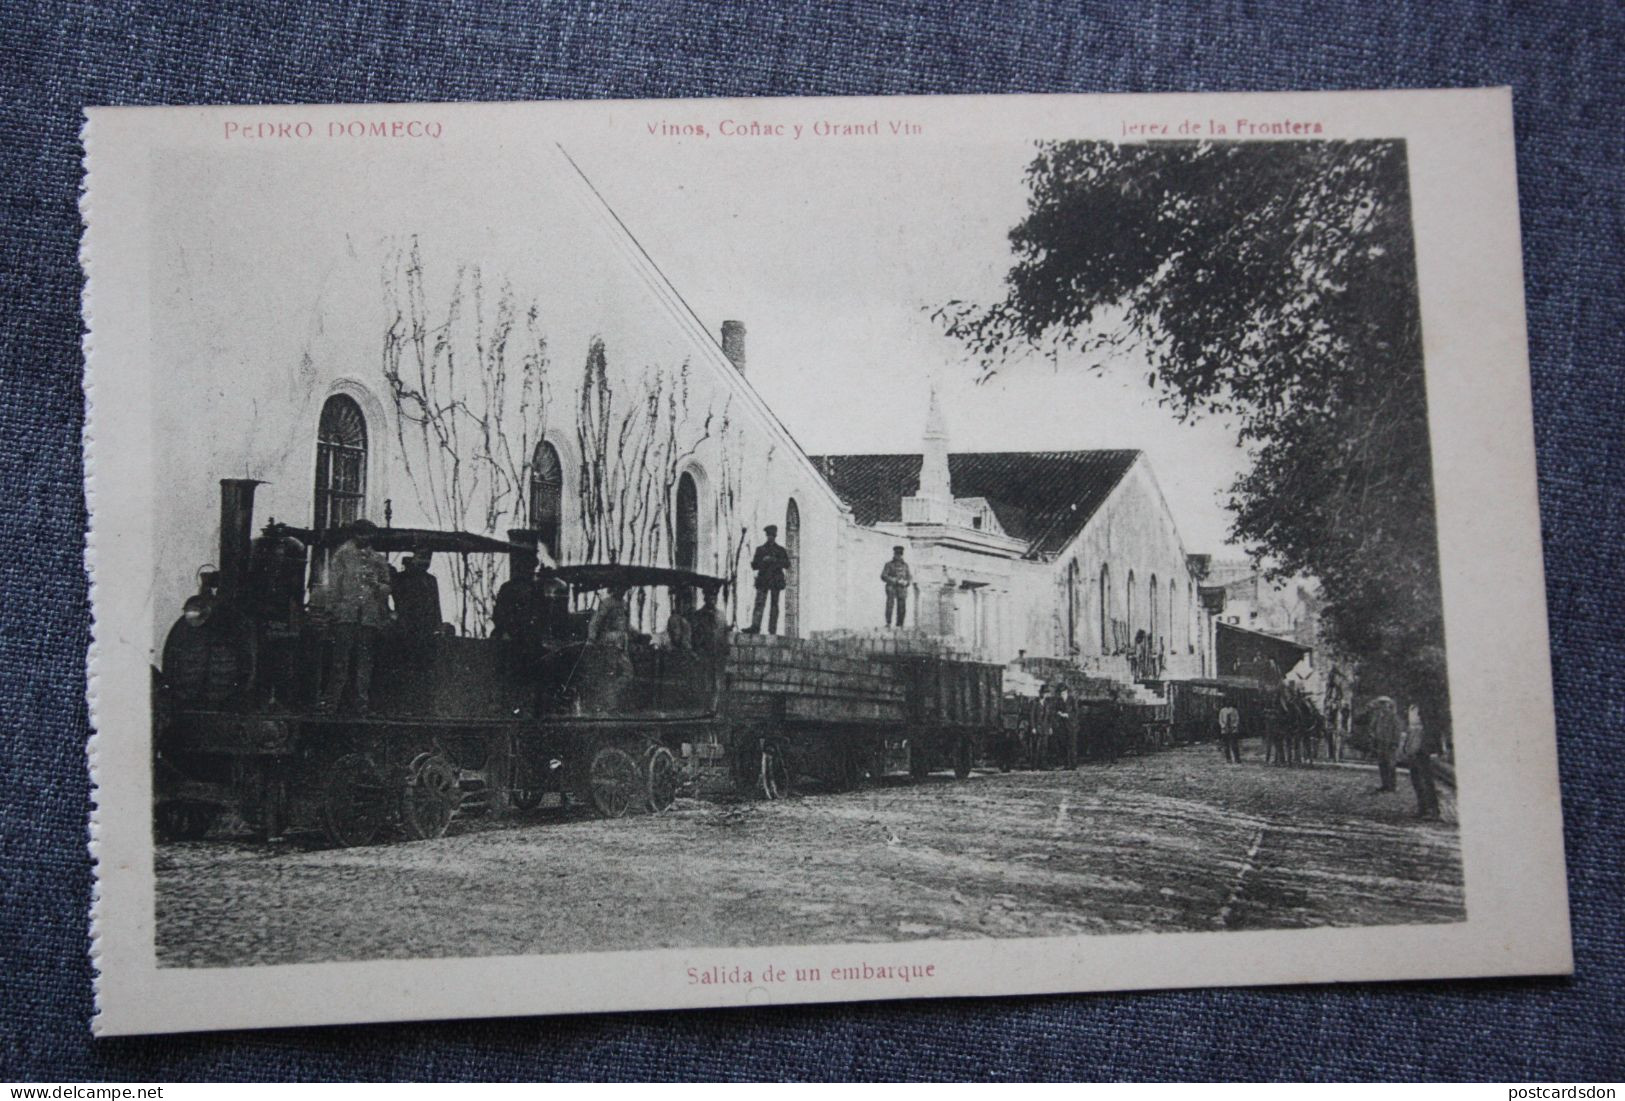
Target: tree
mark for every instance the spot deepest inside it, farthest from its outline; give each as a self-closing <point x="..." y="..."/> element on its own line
<point x="469" y="386"/>
<point x="1272" y="283"/>
<point x="633" y="453"/>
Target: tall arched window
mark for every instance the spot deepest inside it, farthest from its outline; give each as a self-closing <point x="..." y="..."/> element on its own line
<point x="1128" y="606"/>
<point x="1105" y="609"/>
<point x="547" y="496"/>
<point x="1151" y="615"/>
<point x="1072" y="606"/>
<point x="1173" y="616"/>
<point x="792" y="582"/>
<point x="341" y="463"/>
<point x="686" y="533"/>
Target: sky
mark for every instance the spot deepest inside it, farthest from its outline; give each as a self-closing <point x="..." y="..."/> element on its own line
<point x="834" y="255"/>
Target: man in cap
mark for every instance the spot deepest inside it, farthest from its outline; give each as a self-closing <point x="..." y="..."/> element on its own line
<point x="896" y="577"/>
<point x="417" y="606"/>
<point x="770" y="562"/>
<point x="516" y="616"/>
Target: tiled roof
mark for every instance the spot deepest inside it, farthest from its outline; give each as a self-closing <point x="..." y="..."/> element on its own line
<point x="1043" y="498"/>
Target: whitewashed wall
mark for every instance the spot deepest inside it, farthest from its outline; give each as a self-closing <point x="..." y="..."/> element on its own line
<point x="1132" y="532"/>
<point x="262" y="309"/>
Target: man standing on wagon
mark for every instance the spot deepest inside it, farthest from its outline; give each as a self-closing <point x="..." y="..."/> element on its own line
<point x="896" y="577"/>
<point x="356" y="602"/>
<point x="770" y="563"/>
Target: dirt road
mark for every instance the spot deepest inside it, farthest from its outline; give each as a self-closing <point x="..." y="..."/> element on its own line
<point x="1175" y="841"/>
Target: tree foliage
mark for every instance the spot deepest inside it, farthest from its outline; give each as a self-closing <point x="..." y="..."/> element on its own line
<point x="1272" y="283"/>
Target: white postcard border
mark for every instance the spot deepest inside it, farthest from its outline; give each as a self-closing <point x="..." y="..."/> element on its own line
<point x="1464" y="200"/>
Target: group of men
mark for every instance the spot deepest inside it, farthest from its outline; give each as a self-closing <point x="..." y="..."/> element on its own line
<point x="1054" y="731"/>
<point x="1406" y="741"/>
<point x="354" y="602"/>
<point x="772" y="562"/>
<point x="1392" y="741"/>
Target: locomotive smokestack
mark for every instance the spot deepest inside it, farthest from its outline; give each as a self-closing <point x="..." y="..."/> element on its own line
<point x="733" y="343"/>
<point x="236" y="533"/>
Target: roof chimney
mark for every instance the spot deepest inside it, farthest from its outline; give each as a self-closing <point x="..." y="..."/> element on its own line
<point x="733" y="343"/>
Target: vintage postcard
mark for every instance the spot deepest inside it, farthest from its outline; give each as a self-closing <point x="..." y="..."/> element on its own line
<point x="568" y="557"/>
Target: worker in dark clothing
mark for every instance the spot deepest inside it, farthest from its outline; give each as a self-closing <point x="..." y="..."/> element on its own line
<point x="555" y="606"/>
<point x="516" y="616"/>
<point x="1230" y="733"/>
<point x="1065" y="726"/>
<point x="1039" y="729"/>
<point x="516" y="600"/>
<point x="1424" y="746"/>
<point x="705" y="625"/>
<point x="771" y="561"/>
<point x="896" y="577"/>
<point x="416" y="592"/>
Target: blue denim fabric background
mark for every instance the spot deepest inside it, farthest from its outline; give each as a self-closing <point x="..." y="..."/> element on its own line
<point x="1564" y="60"/>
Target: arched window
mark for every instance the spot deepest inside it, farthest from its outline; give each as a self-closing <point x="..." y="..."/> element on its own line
<point x="1105" y="609"/>
<point x="686" y="533"/>
<point x="1151" y="611"/>
<point x="341" y="464"/>
<point x="1072" y="569"/>
<point x="1173" y="616"/>
<point x="792" y="581"/>
<point x="547" y="496"/>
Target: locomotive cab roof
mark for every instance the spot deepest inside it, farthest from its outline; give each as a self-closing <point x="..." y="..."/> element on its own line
<point x="587" y="575"/>
<point x="611" y="574"/>
<point x="407" y="540"/>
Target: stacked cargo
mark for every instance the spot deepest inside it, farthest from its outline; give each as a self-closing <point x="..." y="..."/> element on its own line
<point x="899" y="641"/>
<point x="810" y="680"/>
<point x="1058" y="671"/>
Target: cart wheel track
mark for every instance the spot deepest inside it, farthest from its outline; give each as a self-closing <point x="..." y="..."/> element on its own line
<point x="1249" y="864"/>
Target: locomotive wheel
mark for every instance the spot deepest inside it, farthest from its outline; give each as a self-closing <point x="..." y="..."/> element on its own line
<point x="614" y="782"/>
<point x="355" y="801"/>
<point x="660" y="767"/>
<point x="430" y="798"/>
<point x="964" y="757"/>
<point x="177" y="820"/>
<point x="773" y="778"/>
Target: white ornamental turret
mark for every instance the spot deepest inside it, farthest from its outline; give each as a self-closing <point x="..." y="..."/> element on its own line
<point x="934" y="478"/>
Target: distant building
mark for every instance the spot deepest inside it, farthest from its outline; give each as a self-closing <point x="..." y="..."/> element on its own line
<point x="1070" y="554"/>
<point x="1262" y="630"/>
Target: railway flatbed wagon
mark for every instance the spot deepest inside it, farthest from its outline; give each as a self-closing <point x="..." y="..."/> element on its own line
<point x="839" y="711"/>
<point x="253" y="717"/>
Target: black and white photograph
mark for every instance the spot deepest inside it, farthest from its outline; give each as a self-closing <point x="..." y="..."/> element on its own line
<point x="805" y="539"/>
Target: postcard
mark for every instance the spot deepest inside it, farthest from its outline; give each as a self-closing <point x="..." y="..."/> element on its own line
<point x="569" y="557"/>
